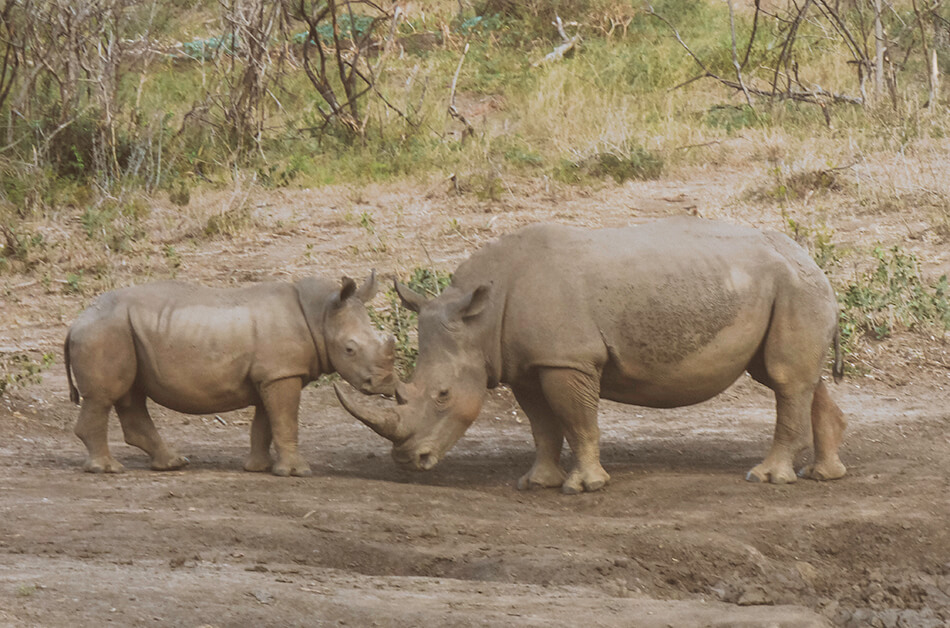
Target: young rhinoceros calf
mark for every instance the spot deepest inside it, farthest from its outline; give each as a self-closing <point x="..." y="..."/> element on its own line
<point x="202" y="350"/>
<point x="662" y="315"/>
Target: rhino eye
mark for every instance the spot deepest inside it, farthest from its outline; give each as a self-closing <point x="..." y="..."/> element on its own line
<point x="350" y="350"/>
<point x="443" y="394"/>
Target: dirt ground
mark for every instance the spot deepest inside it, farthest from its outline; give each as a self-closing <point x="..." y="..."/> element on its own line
<point x="678" y="538"/>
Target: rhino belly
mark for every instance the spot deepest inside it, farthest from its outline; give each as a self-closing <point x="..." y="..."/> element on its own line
<point x="198" y="386"/>
<point x="648" y="371"/>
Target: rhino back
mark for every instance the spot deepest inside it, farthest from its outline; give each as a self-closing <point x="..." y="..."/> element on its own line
<point x="684" y="301"/>
<point x="204" y="350"/>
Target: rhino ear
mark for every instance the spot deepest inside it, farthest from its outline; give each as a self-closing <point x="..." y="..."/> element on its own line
<point x="347" y="289"/>
<point x="410" y="298"/>
<point x="368" y="290"/>
<point x="473" y="303"/>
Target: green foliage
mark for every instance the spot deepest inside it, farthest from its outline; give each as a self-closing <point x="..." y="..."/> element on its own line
<point x="19" y="369"/>
<point x="401" y="322"/>
<point x="817" y="239"/>
<point x="893" y="297"/>
<point x="349" y="28"/>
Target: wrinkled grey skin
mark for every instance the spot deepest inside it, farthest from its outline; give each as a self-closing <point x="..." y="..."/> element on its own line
<point x="662" y="315"/>
<point x="202" y="350"/>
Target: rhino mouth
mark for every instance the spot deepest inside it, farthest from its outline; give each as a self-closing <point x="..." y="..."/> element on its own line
<point x="422" y="461"/>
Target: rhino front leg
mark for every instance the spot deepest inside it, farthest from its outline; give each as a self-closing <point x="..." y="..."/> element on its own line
<point x="281" y="403"/>
<point x="573" y="397"/>
<point x="92" y="428"/>
<point x="261" y="438"/>
<point x="546" y="472"/>
<point x="139" y="431"/>
<point x="793" y="435"/>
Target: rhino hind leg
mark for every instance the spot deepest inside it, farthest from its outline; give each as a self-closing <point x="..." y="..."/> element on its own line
<point x="92" y="429"/>
<point x="828" y="425"/>
<point x="573" y="397"/>
<point x="281" y="400"/>
<point x="139" y="431"/>
<point x="793" y="434"/>
<point x="546" y="472"/>
<point x="261" y="438"/>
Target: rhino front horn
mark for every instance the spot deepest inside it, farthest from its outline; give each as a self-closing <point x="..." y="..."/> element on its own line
<point x="384" y="421"/>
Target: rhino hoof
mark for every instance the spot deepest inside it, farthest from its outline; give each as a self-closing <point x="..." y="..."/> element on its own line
<point x="256" y="466"/>
<point x="763" y="475"/>
<point x="821" y="472"/>
<point x="299" y="471"/>
<point x="108" y="465"/>
<point x="171" y="464"/>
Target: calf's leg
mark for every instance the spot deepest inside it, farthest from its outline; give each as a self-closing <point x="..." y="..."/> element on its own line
<point x="281" y="400"/>
<point x="139" y="431"/>
<point x="261" y="438"/>
<point x="92" y="428"/>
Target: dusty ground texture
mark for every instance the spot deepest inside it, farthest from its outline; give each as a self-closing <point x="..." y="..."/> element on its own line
<point x="677" y="538"/>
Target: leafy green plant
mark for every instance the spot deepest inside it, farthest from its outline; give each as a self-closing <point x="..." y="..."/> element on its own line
<point x="19" y="369"/>
<point x="893" y="296"/>
<point x="401" y="322"/>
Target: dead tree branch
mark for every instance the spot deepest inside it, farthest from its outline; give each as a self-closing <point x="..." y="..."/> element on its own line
<point x="453" y="111"/>
<point x="567" y="44"/>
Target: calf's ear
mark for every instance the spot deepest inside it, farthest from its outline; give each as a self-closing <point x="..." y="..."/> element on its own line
<point x="410" y="298"/>
<point x="368" y="290"/>
<point x="347" y="289"/>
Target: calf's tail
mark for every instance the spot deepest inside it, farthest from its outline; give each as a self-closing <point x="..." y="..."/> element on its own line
<point x="837" y="372"/>
<point x="73" y="391"/>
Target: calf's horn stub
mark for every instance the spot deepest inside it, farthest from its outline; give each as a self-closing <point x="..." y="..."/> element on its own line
<point x="385" y="422"/>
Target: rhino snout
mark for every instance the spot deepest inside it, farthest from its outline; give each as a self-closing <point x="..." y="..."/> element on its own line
<point x="378" y="384"/>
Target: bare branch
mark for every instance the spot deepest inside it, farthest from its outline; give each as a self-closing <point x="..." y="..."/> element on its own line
<point x="453" y="111"/>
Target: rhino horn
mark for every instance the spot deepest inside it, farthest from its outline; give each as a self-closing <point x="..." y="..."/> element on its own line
<point x="384" y="421"/>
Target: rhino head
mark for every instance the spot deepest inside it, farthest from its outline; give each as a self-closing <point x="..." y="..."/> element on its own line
<point x="355" y="349"/>
<point x="447" y="390"/>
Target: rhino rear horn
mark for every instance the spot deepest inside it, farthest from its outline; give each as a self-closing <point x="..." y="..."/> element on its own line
<point x="385" y="422"/>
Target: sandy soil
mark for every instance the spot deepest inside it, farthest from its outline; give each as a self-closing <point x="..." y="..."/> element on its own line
<point x="677" y="538"/>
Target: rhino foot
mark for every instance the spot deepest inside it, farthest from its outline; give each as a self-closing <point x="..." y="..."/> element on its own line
<point x="579" y="481"/>
<point x="774" y="475"/>
<point x="257" y="464"/>
<point x="106" y="464"/>
<point x="169" y="463"/>
<point x="823" y="471"/>
<point x="550" y="476"/>
<point x="297" y="468"/>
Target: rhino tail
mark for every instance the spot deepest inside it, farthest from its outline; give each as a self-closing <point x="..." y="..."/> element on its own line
<point x="837" y="372"/>
<point x="73" y="391"/>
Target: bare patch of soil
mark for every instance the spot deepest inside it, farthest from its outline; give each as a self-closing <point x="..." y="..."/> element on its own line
<point x="677" y="538"/>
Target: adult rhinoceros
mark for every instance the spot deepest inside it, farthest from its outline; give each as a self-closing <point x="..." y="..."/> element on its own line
<point x="662" y="315"/>
<point x="201" y="350"/>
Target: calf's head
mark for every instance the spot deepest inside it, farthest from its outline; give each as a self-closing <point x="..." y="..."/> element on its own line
<point x="361" y="354"/>
<point x="448" y="386"/>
